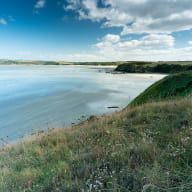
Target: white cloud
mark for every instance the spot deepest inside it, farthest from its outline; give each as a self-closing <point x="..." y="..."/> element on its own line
<point x="157" y="41"/>
<point x="115" y="54"/>
<point x="3" y="21"/>
<point x="40" y="4"/>
<point x="190" y="42"/>
<point x="171" y="54"/>
<point x="148" y="47"/>
<point x="73" y="4"/>
<point x="137" y="16"/>
<point x="153" y="41"/>
<point x="112" y="48"/>
<point x="112" y="38"/>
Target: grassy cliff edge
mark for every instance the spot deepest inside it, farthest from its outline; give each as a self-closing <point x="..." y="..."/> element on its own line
<point x="174" y="86"/>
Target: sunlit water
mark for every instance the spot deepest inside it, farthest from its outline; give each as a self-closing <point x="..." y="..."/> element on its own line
<point x="35" y="97"/>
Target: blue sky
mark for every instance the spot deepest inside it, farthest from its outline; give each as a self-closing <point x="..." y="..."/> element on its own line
<point x="96" y="30"/>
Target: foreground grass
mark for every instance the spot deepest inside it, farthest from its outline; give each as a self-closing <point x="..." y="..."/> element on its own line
<point x="147" y="148"/>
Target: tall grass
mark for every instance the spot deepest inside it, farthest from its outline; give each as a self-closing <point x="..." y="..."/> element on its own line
<point x="142" y="149"/>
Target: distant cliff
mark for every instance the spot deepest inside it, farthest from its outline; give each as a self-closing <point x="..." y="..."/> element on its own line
<point x="148" y="67"/>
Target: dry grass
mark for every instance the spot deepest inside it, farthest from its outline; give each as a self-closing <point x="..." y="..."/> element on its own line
<point x="147" y="148"/>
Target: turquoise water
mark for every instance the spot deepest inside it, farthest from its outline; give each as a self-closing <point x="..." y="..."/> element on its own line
<point x="35" y="97"/>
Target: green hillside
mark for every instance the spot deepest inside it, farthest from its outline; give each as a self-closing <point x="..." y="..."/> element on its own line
<point x="154" y="67"/>
<point x="177" y="85"/>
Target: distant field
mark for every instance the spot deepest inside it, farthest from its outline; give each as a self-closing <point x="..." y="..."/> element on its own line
<point x="31" y="62"/>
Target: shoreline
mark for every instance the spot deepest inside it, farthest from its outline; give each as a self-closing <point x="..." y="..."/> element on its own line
<point x="53" y="102"/>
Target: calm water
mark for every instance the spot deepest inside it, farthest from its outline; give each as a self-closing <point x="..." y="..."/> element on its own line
<point x="40" y="97"/>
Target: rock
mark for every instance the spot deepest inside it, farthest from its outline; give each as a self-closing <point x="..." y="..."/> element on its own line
<point x="113" y="107"/>
<point x="92" y="118"/>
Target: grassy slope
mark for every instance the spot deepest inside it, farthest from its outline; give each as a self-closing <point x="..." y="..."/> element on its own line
<point x="177" y="85"/>
<point x="143" y="148"/>
<point x="147" y="148"/>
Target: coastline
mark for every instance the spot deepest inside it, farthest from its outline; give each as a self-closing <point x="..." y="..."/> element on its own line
<point x="40" y="102"/>
<point x="111" y="152"/>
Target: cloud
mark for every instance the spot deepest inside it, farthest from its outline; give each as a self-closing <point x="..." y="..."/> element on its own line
<point x="152" y="41"/>
<point x="148" y="47"/>
<point x="111" y="38"/>
<point x="138" y="16"/>
<point x="171" y="54"/>
<point x="40" y="4"/>
<point x="121" y="51"/>
<point x="3" y="21"/>
<point x="190" y="42"/>
<point x="72" y="4"/>
<point x="114" y="48"/>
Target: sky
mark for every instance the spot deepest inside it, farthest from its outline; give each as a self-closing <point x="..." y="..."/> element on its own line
<point x="96" y="30"/>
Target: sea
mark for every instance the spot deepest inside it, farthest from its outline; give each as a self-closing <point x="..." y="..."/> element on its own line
<point x="41" y="97"/>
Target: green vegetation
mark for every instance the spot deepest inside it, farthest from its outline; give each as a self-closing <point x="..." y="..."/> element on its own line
<point x="98" y="63"/>
<point x="177" y="85"/>
<point x="155" y="67"/>
<point x="31" y="62"/>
